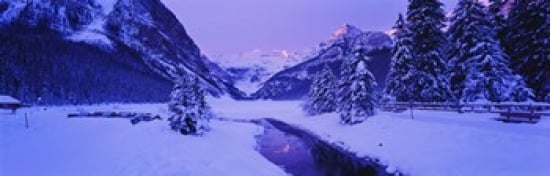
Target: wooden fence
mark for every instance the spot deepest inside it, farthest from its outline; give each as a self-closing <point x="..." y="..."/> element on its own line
<point x="507" y="109"/>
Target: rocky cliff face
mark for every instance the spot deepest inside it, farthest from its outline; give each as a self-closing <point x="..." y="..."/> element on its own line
<point x="64" y="16"/>
<point x="145" y="32"/>
<point x="151" y="29"/>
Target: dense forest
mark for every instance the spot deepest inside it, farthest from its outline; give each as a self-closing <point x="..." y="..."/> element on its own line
<point x="45" y="69"/>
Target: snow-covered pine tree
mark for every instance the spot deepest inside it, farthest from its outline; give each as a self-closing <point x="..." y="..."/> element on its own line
<point x="527" y="43"/>
<point x="401" y="66"/>
<point x="429" y="82"/>
<point x="204" y="112"/>
<point x="346" y="71"/>
<point x="480" y="70"/>
<point x="455" y="52"/>
<point x="179" y="100"/>
<point x="3" y="78"/>
<point x="189" y="111"/>
<point x="356" y="97"/>
<point x="321" y="96"/>
<point x="499" y="19"/>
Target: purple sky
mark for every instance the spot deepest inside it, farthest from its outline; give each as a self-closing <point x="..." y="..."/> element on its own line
<point x="233" y="26"/>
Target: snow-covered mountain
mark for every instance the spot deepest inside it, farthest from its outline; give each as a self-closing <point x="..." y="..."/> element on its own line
<point x="87" y="42"/>
<point x="294" y="82"/>
<point x="248" y="70"/>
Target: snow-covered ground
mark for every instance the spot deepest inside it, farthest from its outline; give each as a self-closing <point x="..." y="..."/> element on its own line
<point x="57" y="146"/>
<point x="433" y="143"/>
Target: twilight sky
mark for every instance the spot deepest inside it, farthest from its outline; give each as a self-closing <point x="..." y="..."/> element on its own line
<point x="233" y="26"/>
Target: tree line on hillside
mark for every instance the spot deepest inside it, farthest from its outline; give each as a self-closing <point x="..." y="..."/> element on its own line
<point x="46" y="69"/>
<point x="485" y="55"/>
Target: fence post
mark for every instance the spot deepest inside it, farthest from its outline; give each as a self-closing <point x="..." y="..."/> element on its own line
<point x="509" y="112"/>
<point x="411" y="109"/>
<point x="458" y="108"/>
<point x="26" y="121"/>
<point x="532" y="109"/>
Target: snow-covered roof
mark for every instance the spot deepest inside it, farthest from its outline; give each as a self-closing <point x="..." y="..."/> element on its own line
<point x="8" y="99"/>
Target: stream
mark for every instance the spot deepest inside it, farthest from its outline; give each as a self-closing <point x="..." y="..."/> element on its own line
<point x="301" y="153"/>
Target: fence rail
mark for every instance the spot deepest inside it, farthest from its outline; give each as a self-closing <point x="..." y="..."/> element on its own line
<point x="505" y="108"/>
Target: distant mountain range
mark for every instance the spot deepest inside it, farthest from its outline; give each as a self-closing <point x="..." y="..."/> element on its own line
<point x="294" y="82"/>
<point x="248" y="70"/>
<point x="283" y="74"/>
<point x="93" y="51"/>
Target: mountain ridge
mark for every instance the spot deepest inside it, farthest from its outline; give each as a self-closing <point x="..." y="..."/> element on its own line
<point x="294" y="82"/>
<point x="145" y="28"/>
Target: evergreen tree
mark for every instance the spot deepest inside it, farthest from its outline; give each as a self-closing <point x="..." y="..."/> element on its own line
<point x="499" y="19"/>
<point x="346" y="71"/>
<point x="321" y="96"/>
<point x="527" y="43"/>
<point x="480" y="70"/>
<point x="3" y="77"/>
<point x="429" y="82"/>
<point x="180" y="100"/>
<point x="402" y="64"/>
<point x="204" y="112"/>
<point x="356" y="97"/>
<point x="189" y="111"/>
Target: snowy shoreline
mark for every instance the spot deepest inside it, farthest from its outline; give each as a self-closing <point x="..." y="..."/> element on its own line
<point x="56" y="145"/>
<point x="434" y="143"/>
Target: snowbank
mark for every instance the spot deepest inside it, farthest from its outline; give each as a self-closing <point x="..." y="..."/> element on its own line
<point x="8" y="99"/>
<point x="56" y="145"/>
<point x="433" y="143"/>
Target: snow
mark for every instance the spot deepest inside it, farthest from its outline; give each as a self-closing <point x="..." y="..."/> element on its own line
<point x="13" y="10"/>
<point x="273" y="60"/>
<point x="91" y="37"/>
<point x="107" y="5"/>
<point x="56" y="145"/>
<point x="262" y="64"/>
<point x="94" y="33"/>
<point x="247" y="86"/>
<point x="345" y="30"/>
<point x="390" y="32"/>
<point x="433" y="143"/>
<point x="8" y="99"/>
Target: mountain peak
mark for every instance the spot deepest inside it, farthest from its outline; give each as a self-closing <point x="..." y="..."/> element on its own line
<point x="345" y="30"/>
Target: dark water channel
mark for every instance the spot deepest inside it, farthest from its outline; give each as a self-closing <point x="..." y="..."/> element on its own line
<point x="301" y="153"/>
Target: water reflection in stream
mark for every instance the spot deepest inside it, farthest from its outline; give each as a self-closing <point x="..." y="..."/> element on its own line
<point x="288" y="151"/>
<point x="303" y="154"/>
